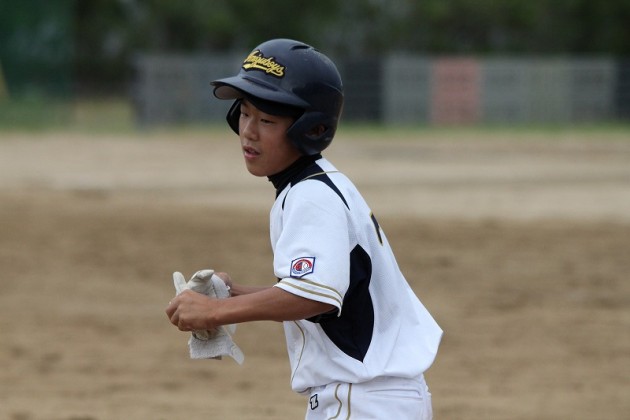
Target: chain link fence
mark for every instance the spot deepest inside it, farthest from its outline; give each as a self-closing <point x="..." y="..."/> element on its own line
<point x="414" y="90"/>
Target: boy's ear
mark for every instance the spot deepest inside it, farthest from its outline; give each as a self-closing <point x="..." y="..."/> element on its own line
<point x="312" y="132"/>
<point x="316" y="132"/>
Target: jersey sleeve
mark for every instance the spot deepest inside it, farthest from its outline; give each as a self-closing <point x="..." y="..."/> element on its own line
<point x="311" y="257"/>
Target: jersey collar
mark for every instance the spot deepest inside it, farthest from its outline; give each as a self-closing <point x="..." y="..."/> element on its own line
<point x="292" y="173"/>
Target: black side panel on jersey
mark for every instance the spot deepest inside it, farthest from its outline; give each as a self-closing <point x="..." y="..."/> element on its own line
<point x="352" y="331"/>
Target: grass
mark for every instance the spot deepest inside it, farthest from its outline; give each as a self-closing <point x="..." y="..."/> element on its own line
<point x="33" y="113"/>
<point x="40" y="114"/>
<point x="610" y="131"/>
<point x="116" y="115"/>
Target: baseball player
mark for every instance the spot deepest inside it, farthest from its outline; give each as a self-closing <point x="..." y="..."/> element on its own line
<point x="358" y="338"/>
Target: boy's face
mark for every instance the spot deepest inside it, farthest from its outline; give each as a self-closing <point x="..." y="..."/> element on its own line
<point x="266" y="147"/>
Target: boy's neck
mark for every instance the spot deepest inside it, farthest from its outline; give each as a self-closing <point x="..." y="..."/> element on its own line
<point x="284" y="177"/>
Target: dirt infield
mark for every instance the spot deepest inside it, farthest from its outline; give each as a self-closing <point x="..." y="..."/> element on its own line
<point x="519" y="246"/>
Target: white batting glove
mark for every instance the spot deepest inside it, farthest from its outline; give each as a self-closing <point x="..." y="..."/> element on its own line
<point x="206" y="283"/>
<point x="209" y="344"/>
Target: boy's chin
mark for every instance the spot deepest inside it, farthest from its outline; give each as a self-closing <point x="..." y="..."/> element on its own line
<point x="255" y="171"/>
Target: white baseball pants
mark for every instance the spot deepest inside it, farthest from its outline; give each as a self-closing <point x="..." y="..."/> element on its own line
<point x="383" y="398"/>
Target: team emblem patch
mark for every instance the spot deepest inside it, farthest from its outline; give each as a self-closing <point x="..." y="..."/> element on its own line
<point x="302" y="266"/>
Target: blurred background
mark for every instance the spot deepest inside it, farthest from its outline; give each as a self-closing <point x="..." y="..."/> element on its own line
<point x="403" y="61"/>
<point x="490" y="137"/>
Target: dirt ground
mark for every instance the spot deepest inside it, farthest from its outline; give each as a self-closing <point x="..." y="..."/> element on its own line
<point x="518" y="243"/>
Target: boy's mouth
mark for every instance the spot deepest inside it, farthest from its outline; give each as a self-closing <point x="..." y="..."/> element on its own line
<point x="250" y="152"/>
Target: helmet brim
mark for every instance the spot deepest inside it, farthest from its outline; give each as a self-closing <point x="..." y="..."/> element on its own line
<point x="237" y="87"/>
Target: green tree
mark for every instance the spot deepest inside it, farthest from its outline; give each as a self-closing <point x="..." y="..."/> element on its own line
<point x="100" y="37"/>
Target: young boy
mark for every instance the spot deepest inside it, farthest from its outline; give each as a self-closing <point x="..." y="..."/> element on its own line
<point x="358" y="338"/>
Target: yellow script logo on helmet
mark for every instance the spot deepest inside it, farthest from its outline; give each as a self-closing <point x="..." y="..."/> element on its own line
<point x="257" y="61"/>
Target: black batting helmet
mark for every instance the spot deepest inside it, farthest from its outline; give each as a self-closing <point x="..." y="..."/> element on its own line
<point x="287" y="77"/>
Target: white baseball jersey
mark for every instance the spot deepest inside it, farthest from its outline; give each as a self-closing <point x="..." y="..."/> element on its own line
<point x="329" y="247"/>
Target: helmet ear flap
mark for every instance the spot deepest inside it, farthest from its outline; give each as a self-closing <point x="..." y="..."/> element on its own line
<point x="312" y="132"/>
<point x="233" y="115"/>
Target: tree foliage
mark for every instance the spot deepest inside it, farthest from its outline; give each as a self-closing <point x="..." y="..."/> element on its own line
<point x="106" y="33"/>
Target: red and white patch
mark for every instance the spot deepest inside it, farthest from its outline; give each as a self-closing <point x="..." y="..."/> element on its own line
<point x="302" y="266"/>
